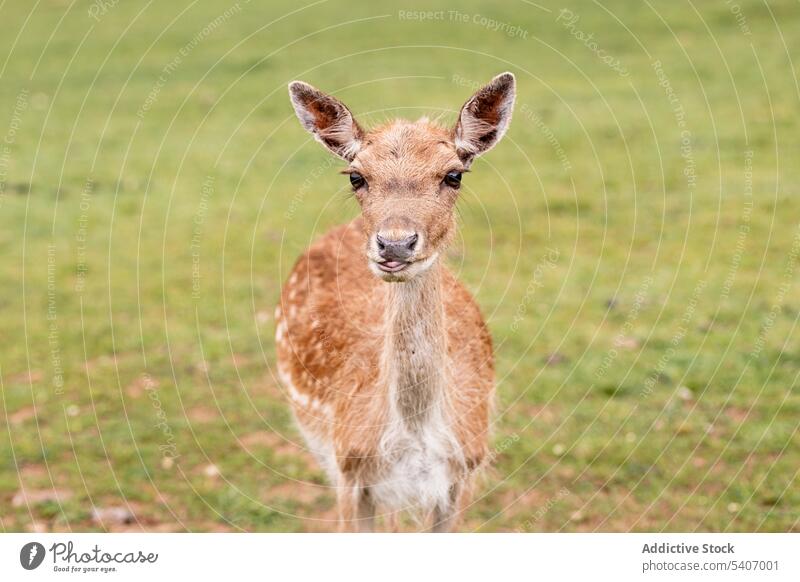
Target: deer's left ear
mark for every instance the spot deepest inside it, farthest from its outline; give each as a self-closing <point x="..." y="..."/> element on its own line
<point x="327" y="118"/>
<point x="485" y="117"/>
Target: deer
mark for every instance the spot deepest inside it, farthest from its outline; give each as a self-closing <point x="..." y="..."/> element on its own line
<point x="383" y="353"/>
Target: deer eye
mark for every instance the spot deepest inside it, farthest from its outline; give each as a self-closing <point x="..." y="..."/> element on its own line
<point x="453" y="179"/>
<point x="357" y="181"/>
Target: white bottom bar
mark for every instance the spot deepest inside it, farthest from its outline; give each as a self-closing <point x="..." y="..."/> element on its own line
<point x="402" y="557"/>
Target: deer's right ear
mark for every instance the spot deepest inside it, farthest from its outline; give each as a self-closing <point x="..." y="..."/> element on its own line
<point x="485" y="117"/>
<point x="327" y="119"/>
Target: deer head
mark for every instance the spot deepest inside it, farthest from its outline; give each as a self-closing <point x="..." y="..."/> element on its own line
<point x="406" y="176"/>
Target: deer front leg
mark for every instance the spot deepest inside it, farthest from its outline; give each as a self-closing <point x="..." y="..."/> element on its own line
<point x="446" y="518"/>
<point x="392" y="522"/>
<point x="356" y="507"/>
<point x="365" y="511"/>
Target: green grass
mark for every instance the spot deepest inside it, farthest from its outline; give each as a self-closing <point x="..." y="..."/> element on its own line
<point x="647" y="371"/>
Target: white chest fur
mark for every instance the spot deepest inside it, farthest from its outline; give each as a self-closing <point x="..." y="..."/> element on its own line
<point x="418" y="450"/>
<point x="418" y="464"/>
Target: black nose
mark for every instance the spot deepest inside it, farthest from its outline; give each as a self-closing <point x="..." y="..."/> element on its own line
<point x="396" y="250"/>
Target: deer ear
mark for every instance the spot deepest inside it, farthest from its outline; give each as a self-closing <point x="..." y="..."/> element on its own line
<point x="485" y="117"/>
<point x="327" y="119"/>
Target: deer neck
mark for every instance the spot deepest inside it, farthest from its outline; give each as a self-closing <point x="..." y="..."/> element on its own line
<point x="415" y="347"/>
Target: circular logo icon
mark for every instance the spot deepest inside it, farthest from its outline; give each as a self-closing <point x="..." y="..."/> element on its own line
<point x="31" y="555"/>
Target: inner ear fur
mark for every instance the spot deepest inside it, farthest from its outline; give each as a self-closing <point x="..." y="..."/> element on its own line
<point x="485" y="117"/>
<point x="327" y="118"/>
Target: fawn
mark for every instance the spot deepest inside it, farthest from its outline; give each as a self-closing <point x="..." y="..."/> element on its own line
<point x="384" y="354"/>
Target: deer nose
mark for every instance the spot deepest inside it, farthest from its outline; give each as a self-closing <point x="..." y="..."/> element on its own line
<point x="396" y="249"/>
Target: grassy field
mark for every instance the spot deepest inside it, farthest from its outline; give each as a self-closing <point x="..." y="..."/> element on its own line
<point x="633" y="244"/>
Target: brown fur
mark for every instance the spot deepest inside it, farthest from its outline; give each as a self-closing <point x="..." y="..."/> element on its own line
<point x="355" y="349"/>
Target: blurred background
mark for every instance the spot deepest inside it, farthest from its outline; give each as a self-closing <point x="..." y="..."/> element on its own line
<point x="633" y="243"/>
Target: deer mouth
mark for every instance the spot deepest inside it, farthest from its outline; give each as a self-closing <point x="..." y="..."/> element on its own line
<point x="393" y="266"/>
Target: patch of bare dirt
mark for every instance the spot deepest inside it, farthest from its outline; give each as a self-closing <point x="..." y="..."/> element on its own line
<point x="239" y="360"/>
<point x="29" y="377"/>
<point x="203" y="414"/>
<point x="21" y="415"/>
<point x="274" y="442"/>
<point x="30" y="474"/>
<point x="137" y="388"/>
<point x="305" y="493"/>
<point x="37" y="527"/>
<point x="738" y="414"/>
<point x="27" y="496"/>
